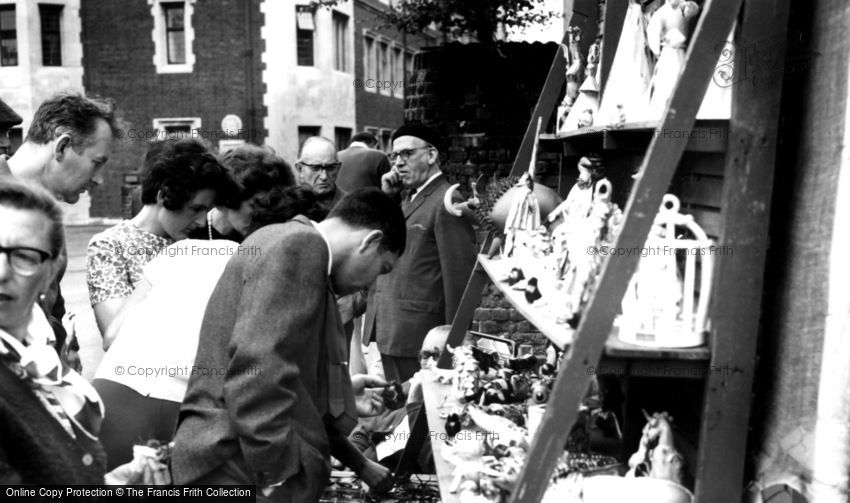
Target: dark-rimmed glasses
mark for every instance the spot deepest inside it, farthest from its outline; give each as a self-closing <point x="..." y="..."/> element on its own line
<point x="329" y="168"/>
<point x="405" y="153"/>
<point x="25" y="261"/>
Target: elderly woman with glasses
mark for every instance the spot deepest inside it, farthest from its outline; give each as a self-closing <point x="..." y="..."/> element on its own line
<point x="50" y="415"/>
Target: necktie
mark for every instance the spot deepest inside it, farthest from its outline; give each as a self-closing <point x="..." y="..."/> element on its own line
<point x="340" y="395"/>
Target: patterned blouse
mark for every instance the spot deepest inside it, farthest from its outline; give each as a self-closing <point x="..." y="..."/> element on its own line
<point x="115" y="259"/>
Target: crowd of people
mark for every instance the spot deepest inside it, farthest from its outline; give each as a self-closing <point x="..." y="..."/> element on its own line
<point x="242" y="292"/>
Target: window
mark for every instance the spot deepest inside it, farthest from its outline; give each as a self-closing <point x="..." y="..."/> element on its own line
<point x="304" y="35"/>
<point x="408" y="65"/>
<point x="398" y="73"/>
<point x="305" y="132"/>
<point x="175" y="33"/>
<point x="8" y="36"/>
<point x="370" y="68"/>
<point x="385" y="68"/>
<point x="340" y="41"/>
<point x="178" y="127"/>
<point x="51" y="37"/>
<point x="342" y="136"/>
<point x="386" y="139"/>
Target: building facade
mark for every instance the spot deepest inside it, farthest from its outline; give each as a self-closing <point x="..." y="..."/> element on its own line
<point x="384" y="69"/>
<point x="40" y="54"/>
<point x="226" y="71"/>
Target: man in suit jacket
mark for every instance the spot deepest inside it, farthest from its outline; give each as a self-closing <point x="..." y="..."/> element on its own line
<point x="425" y="288"/>
<point x="270" y="397"/>
<point x="362" y="165"/>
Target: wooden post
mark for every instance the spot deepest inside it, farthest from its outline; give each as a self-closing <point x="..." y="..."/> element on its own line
<point x="656" y="172"/>
<point x="585" y="15"/>
<point x="739" y="274"/>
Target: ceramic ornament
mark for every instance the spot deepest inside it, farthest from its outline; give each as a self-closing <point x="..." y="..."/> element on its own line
<point x="717" y="103"/>
<point x="584" y="110"/>
<point x="575" y="66"/>
<point x="625" y="95"/>
<point x="663" y="305"/>
<point x="524" y="215"/>
<point x="667" y="36"/>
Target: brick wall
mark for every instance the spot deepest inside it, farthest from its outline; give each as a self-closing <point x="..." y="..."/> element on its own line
<point x="482" y="100"/>
<point x="118" y="63"/>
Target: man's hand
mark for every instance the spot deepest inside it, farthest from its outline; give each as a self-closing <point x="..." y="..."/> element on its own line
<point x="391" y="182"/>
<point x="378" y="477"/>
<point x="367" y="394"/>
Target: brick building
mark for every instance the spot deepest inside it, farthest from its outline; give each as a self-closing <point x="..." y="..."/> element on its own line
<point x="40" y="53"/>
<point x="231" y="71"/>
<point x="384" y="67"/>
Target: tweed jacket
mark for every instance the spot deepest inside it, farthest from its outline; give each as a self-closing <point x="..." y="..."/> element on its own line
<point x="425" y="286"/>
<point x="270" y="369"/>
<point x="35" y="448"/>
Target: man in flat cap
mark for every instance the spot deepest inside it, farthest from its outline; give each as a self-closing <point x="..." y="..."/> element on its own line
<point x="425" y="287"/>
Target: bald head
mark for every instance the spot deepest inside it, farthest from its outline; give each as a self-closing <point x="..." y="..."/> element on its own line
<point x="318" y="165"/>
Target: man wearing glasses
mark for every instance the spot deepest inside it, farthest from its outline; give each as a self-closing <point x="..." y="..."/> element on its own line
<point x="425" y="287"/>
<point x="318" y="167"/>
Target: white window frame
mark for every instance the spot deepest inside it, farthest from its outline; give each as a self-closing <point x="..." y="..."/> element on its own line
<point x="346" y="64"/>
<point x="385" y="90"/>
<point x="159" y="125"/>
<point x="305" y="21"/>
<point x="370" y="61"/>
<point x="160" y="56"/>
<point x="398" y="71"/>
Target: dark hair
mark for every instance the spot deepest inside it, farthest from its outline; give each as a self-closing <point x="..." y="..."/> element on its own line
<point x="255" y="169"/>
<point x="25" y="196"/>
<point x="180" y="168"/>
<point x="365" y="137"/>
<point x="370" y="208"/>
<point x="282" y="203"/>
<point x="76" y="113"/>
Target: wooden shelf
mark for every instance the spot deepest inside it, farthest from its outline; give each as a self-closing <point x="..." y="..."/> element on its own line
<point x="544" y="317"/>
<point x="438" y="398"/>
<point x="706" y="136"/>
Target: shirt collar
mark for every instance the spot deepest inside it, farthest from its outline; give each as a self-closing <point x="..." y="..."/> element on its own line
<point x="328" y="243"/>
<point x="358" y="144"/>
<point x="416" y="192"/>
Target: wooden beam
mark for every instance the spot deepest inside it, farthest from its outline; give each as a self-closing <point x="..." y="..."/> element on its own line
<point x="546" y="106"/>
<point x="748" y="185"/>
<point x="653" y="179"/>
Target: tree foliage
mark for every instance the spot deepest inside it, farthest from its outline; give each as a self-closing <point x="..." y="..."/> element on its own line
<point x="479" y="19"/>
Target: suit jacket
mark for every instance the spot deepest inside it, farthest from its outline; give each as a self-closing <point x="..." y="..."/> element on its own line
<point x="361" y="167"/>
<point x="35" y="448"/>
<point x="270" y="367"/>
<point x="426" y="285"/>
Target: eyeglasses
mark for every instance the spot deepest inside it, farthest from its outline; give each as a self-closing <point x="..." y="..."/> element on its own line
<point x="405" y="153"/>
<point x="329" y="168"/>
<point x="25" y="261"/>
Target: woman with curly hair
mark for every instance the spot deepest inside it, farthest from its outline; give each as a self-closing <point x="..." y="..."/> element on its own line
<point x="181" y="181"/>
